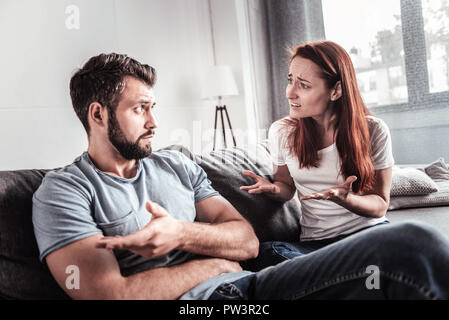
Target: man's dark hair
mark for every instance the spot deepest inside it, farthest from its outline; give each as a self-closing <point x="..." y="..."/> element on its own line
<point x="101" y="80"/>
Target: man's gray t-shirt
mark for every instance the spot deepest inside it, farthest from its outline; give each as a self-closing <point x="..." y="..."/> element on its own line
<point x="79" y="201"/>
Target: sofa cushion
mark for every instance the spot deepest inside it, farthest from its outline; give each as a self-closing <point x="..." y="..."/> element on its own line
<point x="439" y="198"/>
<point x="23" y="276"/>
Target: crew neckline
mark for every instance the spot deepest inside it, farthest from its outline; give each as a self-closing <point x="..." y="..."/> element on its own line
<point x="139" y="169"/>
<point x="328" y="148"/>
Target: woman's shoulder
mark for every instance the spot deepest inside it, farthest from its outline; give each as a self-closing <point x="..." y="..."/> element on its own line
<point x="378" y="129"/>
<point x="281" y="123"/>
<point x="376" y="124"/>
<point x="278" y="129"/>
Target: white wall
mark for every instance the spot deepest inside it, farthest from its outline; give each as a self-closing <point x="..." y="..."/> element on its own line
<point x="37" y="125"/>
<point x="38" y="128"/>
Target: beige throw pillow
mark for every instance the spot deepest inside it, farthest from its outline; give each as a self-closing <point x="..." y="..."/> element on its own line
<point x="411" y="182"/>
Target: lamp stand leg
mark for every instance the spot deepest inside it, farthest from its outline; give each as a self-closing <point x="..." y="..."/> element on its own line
<point x="223" y="127"/>
<point x="215" y="126"/>
<point x="220" y="109"/>
<point x="230" y="126"/>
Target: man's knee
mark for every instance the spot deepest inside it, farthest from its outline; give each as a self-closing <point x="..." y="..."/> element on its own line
<point x="406" y="239"/>
<point x="419" y="231"/>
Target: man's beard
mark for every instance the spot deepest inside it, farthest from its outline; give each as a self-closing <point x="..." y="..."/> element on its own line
<point x="128" y="150"/>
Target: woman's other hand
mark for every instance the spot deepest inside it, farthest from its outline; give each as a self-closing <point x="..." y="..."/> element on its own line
<point x="261" y="185"/>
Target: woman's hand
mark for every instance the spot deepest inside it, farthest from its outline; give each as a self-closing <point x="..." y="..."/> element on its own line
<point x="336" y="194"/>
<point x="261" y="186"/>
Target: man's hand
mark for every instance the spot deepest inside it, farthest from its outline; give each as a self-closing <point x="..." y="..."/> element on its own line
<point x="337" y="194"/>
<point x="160" y="236"/>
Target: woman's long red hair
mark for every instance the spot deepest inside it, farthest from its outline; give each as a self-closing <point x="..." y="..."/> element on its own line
<point x="352" y="133"/>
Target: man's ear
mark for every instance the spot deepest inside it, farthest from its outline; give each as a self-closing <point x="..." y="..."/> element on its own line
<point x="97" y="114"/>
<point x="336" y="91"/>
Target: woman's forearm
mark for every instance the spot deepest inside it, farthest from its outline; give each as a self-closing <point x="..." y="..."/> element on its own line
<point x="368" y="205"/>
<point x="286" y="192"/>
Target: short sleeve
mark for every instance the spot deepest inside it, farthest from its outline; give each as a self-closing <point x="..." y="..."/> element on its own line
<point x="201" y="185"/>
<point x="275" y="144"/>
<point x="381" y="146"/>
<point x="61" y="213"/>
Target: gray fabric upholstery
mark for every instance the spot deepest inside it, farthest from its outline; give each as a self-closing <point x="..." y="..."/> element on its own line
<point x="23" y="276"/>
<point x="437" y="217"/>
<point x="271" y="220"/>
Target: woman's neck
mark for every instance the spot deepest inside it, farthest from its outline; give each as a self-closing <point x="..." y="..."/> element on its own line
<point x="327" y="129"/>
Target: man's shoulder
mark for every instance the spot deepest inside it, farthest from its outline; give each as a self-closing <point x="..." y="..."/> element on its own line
<point x="65" y="178"/>
<point x="170" y="157"/>
<point x="75" y="169"/>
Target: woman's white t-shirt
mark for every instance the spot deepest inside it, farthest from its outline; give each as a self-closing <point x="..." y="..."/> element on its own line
<point x="322" y="219"/>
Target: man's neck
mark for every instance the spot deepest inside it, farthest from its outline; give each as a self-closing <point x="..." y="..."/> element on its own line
<point x="110" y="161"/>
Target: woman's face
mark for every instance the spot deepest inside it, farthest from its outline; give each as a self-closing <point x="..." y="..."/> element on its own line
<point x="307" y="93"/>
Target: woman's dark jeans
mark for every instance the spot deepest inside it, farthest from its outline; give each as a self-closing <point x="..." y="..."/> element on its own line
<point x="401" y="261"/>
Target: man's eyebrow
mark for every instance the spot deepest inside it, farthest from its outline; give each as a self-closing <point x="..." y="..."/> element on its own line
<point x="145" y="101"/>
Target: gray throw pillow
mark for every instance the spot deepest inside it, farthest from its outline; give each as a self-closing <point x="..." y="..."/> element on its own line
<point x="438" y="170"/>
<point x="411" y="182"/>
<point x="440" y="198"/>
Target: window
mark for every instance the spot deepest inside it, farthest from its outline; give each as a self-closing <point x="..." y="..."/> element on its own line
<point x="372" y="35"/>
<point x="436" y="28"/>
<point x="400" y="49"/>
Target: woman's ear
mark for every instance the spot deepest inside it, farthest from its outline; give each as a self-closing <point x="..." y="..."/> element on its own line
<point x="336" y="91"/>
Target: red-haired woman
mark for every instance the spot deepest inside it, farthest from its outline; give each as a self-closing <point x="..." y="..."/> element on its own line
<point x="329" y="149"/>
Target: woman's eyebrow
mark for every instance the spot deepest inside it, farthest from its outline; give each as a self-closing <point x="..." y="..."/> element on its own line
<point x="299" y="78"/>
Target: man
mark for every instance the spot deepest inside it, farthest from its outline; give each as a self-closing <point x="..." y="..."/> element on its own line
<point x="148" y="225"/>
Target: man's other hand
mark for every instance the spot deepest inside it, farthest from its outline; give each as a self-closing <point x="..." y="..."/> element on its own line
<point x="160" y="236"/>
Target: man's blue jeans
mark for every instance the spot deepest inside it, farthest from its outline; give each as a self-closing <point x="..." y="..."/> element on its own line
<point x="401" y="261"/>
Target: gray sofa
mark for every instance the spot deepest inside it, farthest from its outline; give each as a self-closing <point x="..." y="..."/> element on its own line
<point x="23" y="276"/>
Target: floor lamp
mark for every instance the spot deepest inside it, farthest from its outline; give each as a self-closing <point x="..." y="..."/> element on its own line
<point x="218" y="83"/>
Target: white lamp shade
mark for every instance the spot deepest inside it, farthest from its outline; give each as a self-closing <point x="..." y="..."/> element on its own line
<point x="218" y="82"/>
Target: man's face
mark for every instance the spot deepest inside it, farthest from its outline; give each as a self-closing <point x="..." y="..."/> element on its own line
<point x="131" y="126"/>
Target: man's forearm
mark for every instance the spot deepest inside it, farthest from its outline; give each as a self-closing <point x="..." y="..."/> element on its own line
<point x="169" y="283"/>
<point x="232" y="240"/>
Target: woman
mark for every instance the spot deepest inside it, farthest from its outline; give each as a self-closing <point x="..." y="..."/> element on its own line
<point x="329" y="149"/>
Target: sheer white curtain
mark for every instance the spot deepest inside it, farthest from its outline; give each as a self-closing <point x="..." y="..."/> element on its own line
<point x="272" y="26"/>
